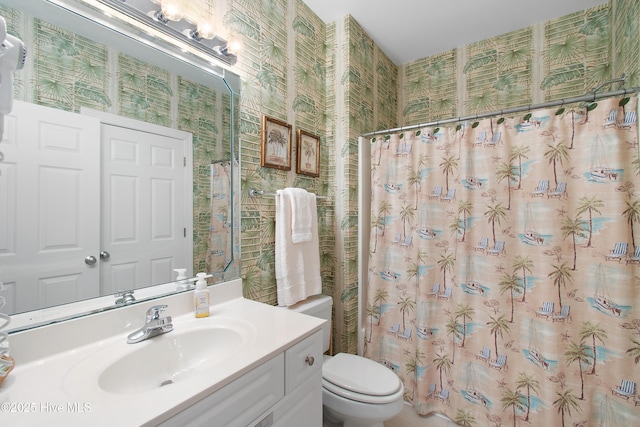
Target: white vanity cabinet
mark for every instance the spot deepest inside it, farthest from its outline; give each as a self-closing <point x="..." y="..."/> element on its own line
<point x="285" y="391"/>
<point x="271" y="375"/>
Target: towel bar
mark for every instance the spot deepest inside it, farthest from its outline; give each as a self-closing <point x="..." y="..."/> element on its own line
<point x="257" y="193"/>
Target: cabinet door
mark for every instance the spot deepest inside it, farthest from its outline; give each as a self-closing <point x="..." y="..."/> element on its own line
<point x="303" y="361"/>
<point x="302" y="405"/>
<point x="302" y="408"/>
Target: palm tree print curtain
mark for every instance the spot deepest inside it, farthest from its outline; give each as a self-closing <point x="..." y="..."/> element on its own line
<point x="504" y="277"/>
<point x="220" y="251"/>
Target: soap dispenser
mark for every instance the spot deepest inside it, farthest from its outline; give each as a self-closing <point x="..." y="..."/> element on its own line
<point x="201" y="296"/>
<point x="183" y="281"/>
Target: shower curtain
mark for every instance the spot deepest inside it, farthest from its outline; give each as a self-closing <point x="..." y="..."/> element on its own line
<point x="504" y="271"/>
<point x="219" y="252"/>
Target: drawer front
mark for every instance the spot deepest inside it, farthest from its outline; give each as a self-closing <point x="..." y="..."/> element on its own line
<point x="302" y="361"/>
<point x="239" y="402"/>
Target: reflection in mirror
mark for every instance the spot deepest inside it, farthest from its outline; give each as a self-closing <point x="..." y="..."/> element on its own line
<point x="118" y="164"/>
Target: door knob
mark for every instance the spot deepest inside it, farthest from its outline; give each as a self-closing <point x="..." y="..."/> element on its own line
<point x="90" y="260"/>
<point x="104" y="255"/>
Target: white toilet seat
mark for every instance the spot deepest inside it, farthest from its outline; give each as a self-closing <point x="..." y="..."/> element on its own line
<point x="360" y="379"/>
<point x="359" y="397"/>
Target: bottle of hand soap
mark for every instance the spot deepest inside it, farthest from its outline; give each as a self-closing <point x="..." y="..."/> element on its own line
<point x="201" y="296"/>
<point x="182" y="279"/>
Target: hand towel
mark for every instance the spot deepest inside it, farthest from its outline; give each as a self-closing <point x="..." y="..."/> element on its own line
<point x="297" y="265"/>
<point x="301" y="213"/>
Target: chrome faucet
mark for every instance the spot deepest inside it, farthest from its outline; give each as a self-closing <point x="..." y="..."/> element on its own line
<point x="154" y="325"/>
<point x="125" y="297"/>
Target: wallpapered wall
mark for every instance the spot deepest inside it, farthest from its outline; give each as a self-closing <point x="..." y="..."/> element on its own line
<point x="284" y="71"/>
<point x="332" y="80"/>
<point x="561" y="58"/>
<point x="68" y="71"/>
<point x="297" y="69"/>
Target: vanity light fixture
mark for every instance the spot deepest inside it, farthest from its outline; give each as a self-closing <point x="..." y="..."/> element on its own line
<point x="167" y="17"/>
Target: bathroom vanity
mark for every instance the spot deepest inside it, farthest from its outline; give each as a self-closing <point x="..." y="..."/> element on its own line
<point x="248" y="364"/>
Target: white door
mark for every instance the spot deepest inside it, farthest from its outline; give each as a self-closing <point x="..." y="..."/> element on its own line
<point x="146" y="226"/>
<point x="49" y="207"/>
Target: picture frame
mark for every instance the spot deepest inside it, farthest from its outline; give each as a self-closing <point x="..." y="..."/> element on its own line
<point x="275" y="144"/>
<point x="308" y="158"/>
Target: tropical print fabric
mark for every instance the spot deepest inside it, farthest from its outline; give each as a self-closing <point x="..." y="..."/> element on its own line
<point x="503" y="281"/>
<point x="220" y="253"/>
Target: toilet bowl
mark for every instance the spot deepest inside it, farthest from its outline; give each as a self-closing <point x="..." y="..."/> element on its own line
<point x="356" y="391"/>
<point x="359" y="392"/>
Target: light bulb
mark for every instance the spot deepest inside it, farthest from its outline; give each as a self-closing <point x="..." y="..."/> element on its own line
<point x="172" y="10"/>
<point x="206" y="29"/>
<point x="234" y="45"/>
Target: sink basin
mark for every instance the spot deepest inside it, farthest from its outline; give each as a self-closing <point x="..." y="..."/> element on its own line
<point x="169" y="358"/>
<point x="175" y="359"/>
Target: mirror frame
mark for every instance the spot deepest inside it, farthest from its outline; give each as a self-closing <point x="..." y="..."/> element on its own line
<point x="122" y="34"/>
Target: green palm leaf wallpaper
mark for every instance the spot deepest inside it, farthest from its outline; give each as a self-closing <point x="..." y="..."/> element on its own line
<point x="582" y="41"/>
<point x="58" y="51"/>
<point x="284" y="76"/>
<point x="561" y="58"/>
<point x="625" y="48"/>
<point x="430" y="87"/>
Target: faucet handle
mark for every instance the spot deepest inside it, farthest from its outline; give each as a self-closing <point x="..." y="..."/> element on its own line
<point x="125" y="297"/>
<point x="154" y="312"/>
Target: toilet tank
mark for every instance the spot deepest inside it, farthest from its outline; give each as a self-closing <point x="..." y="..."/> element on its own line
<point x="317" y="306"/>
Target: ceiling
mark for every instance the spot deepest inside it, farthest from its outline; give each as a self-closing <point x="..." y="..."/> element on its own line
<point x="415" y="29"/>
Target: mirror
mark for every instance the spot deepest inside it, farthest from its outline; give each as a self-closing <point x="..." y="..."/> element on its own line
<point x="128" y="86"/>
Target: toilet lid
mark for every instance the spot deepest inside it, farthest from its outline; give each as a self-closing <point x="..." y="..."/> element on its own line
<point x="360" y="375"/>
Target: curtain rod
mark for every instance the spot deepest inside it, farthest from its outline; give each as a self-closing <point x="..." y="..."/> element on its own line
<point x="592" y="97"/>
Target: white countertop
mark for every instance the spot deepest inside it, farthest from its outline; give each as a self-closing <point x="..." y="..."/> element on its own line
<point x="40" y="392"/>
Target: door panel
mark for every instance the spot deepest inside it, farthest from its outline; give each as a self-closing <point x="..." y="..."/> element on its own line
<point x="162" y="211"/>
<point x="143" y="196"/>
<point x="123" y="224"/>
<point x="53" y="221"/>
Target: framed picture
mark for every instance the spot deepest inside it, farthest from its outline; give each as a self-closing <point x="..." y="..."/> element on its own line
<point x="308" y="154"/>
<point x="276" y="144"/>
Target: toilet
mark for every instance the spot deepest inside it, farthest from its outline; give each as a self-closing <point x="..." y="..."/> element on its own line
<point x="356" y="391"/>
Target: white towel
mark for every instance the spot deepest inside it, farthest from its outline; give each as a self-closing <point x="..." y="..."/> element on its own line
<point x="297" y="265"/>
<point x="302" y="213"/>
